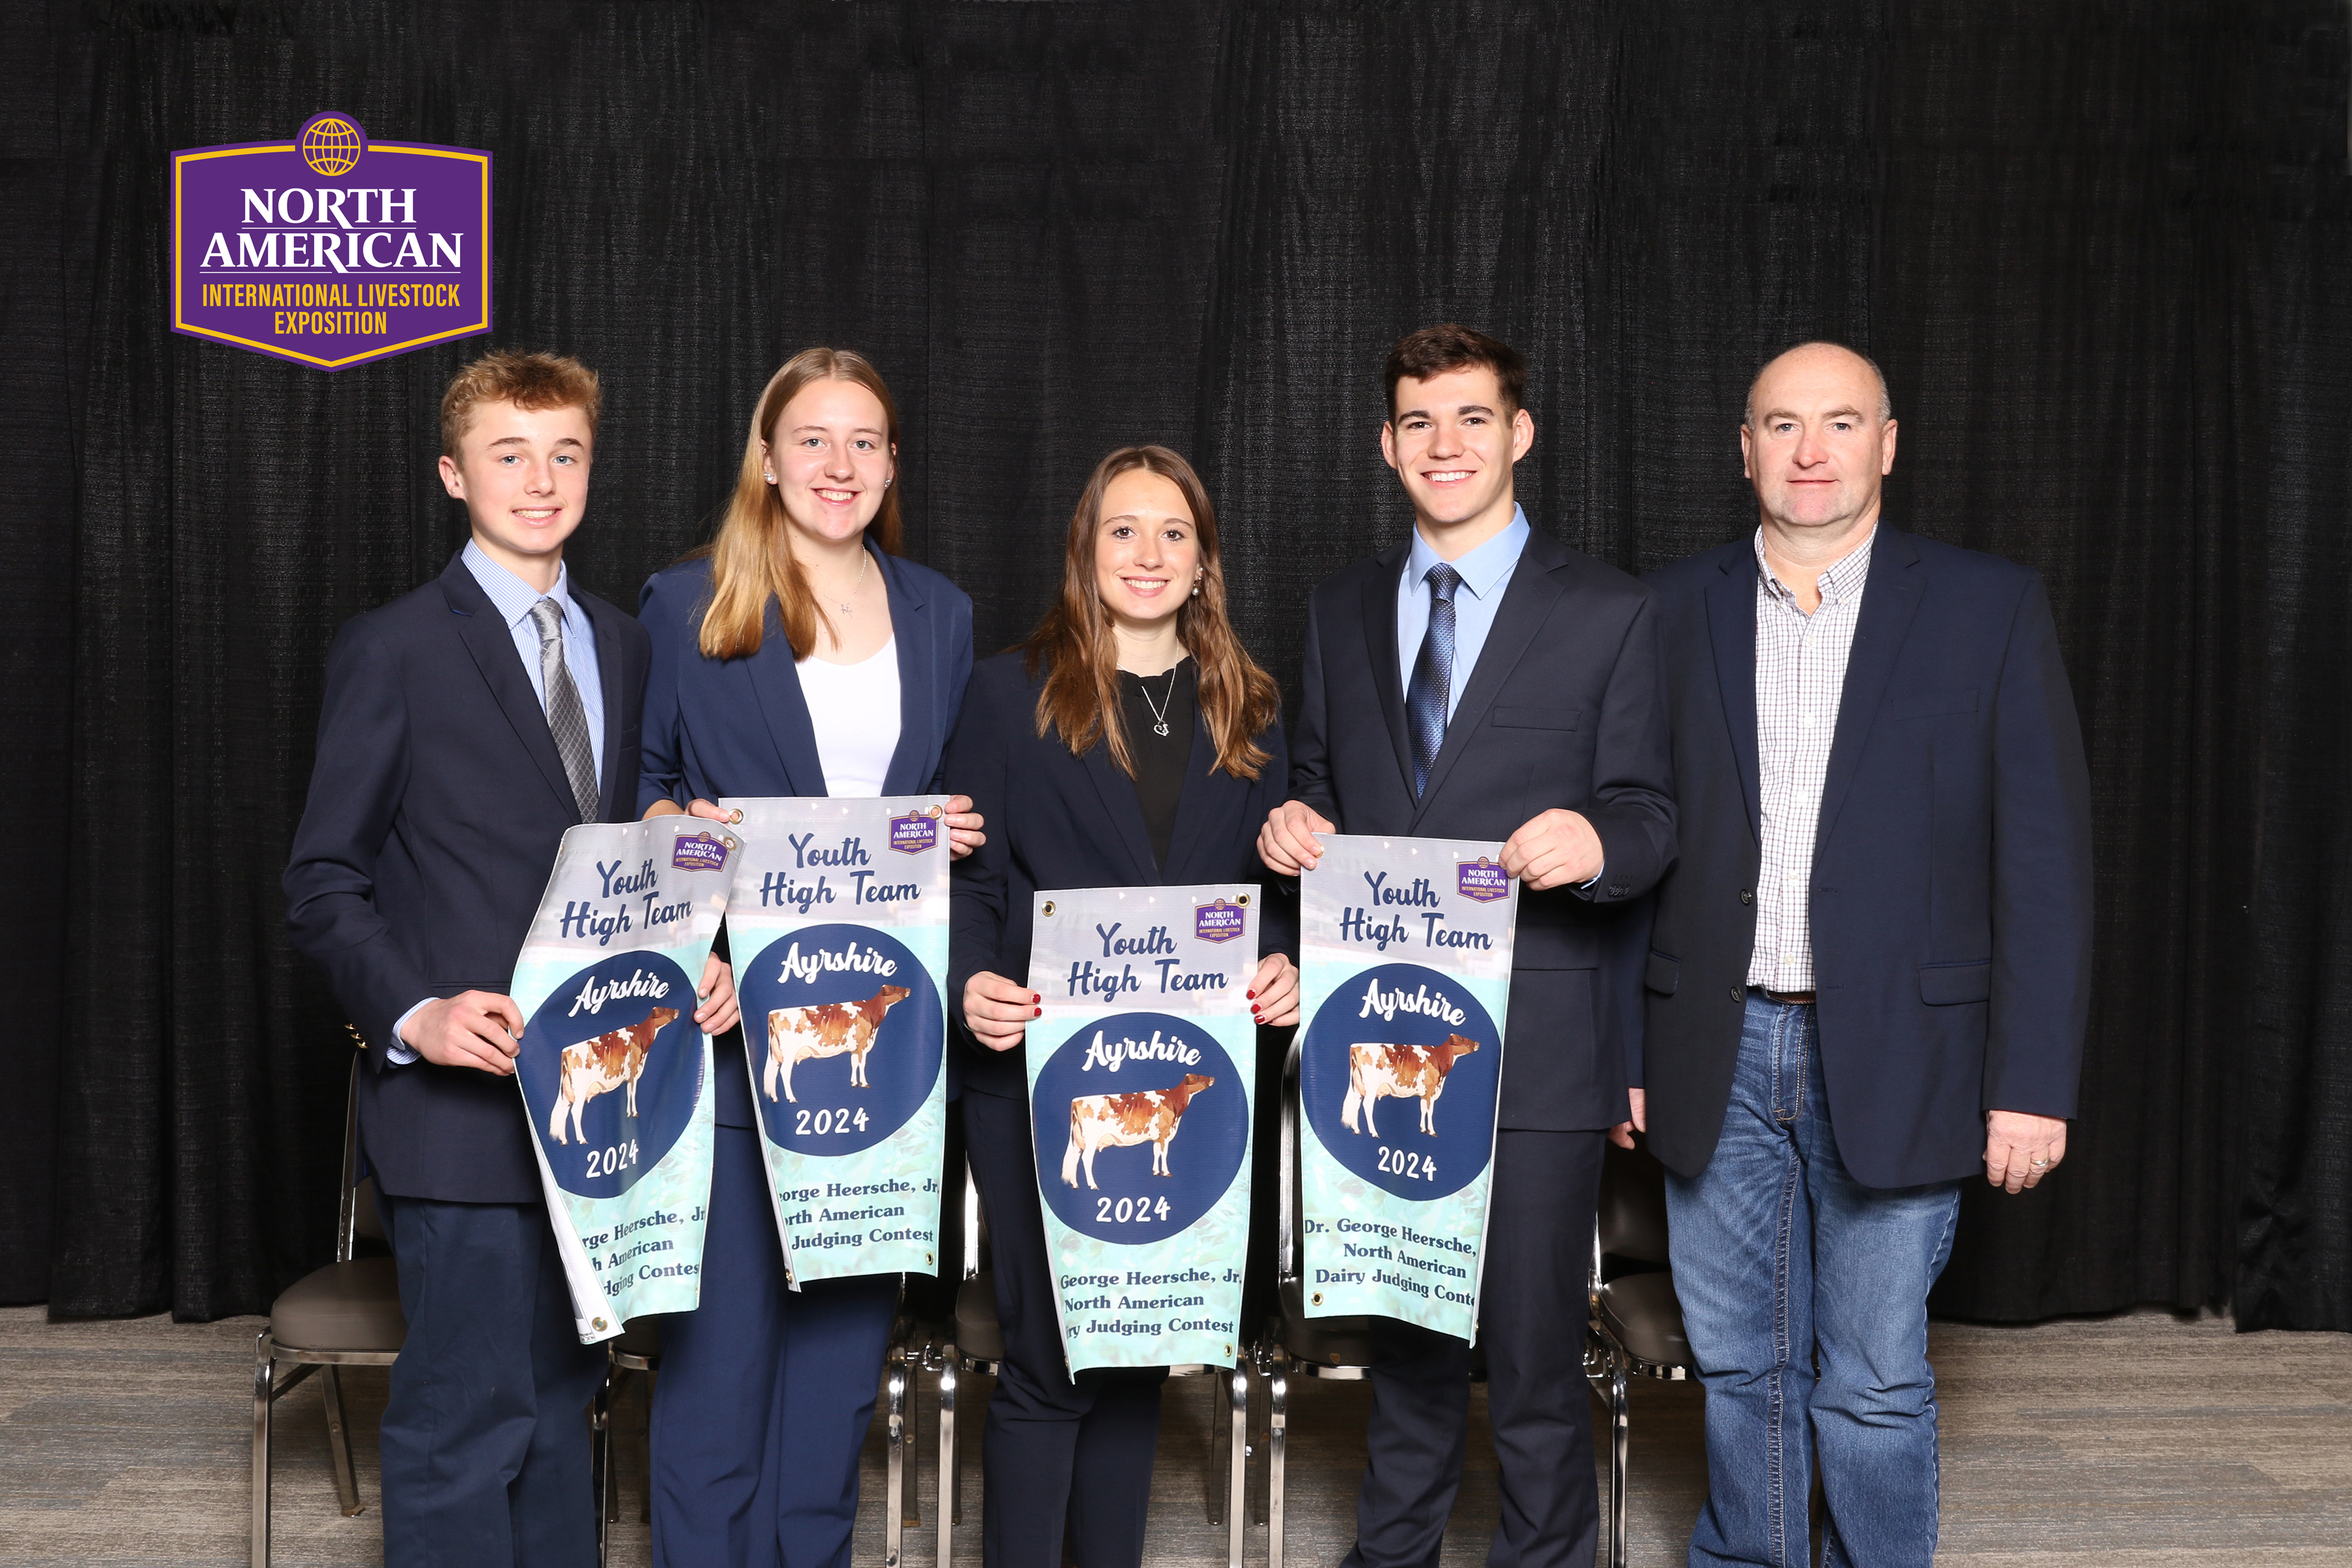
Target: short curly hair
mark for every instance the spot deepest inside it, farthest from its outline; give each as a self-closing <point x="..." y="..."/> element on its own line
<point x="524" y="378"/>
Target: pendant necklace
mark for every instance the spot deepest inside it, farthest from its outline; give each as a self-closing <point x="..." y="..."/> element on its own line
<point x="845" y="604"/>
<point x="1160" y="708"/>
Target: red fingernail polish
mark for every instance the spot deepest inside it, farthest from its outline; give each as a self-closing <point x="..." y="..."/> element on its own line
<point x="1038" y="1014"/>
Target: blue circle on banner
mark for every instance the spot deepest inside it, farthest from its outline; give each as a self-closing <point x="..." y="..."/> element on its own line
<point x="841" y="1058"/>
<point x="1394" y="1098"/>
<point x="1128" y="1118"/>
<point x="582" y="1069"/>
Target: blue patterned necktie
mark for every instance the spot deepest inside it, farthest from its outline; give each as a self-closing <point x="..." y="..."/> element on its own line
<point x="1433" y="676"/>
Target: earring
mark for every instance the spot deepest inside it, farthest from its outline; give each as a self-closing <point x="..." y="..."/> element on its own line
<point x="770" y="478"/>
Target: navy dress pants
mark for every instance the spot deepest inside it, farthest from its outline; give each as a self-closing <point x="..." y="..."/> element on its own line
<point x="485" y="1433"/>
<point x="1532" y="1309"/>
<point x="765" y="1392"/>
<point x="1055" y="1449"/>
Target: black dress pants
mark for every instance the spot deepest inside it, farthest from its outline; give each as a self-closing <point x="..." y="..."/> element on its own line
<point x="1055" y="1449"/>
<point x="1531" y="1314"/>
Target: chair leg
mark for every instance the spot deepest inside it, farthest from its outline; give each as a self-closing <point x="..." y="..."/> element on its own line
<point x="1277" y="1439"/>
<point x="645" y="1508"/>
<point x="1237" y="1382"/>
<point x="1620" y="1449"/>
<point x="1212" y="1494"/>
<point x="893" y="1527"/>
<point x="951" y="1504"/>
<point x="339" y="1443"/>
<point x="600" y="1462"/>
<point x="265" y="1373"/>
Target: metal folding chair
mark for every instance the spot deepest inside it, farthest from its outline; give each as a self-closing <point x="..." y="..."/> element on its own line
<point x="344" y="1314"/>
<point x="1634" y="1322"/>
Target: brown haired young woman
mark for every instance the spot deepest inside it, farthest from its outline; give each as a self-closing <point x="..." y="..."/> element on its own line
<point x="1130" y="742"/>
<point x="797" y="656"/>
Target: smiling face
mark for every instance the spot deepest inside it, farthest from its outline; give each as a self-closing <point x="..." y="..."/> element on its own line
<point x="1815" y="445"/>
<point x="1147" y="549"/>
<point x="523" y="476"/>
<point x="829" y="457"/>
<point x="1453" y="442"/>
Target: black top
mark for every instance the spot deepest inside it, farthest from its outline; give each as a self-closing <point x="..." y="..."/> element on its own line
<point x="1152" y="704"/>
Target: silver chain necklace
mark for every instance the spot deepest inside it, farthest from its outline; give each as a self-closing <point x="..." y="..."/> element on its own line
<point x="1160" y="708"/>
<point x="846" y="606"/>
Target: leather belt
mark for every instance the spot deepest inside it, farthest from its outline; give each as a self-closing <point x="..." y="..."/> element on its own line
<point x="1800" y="998"/>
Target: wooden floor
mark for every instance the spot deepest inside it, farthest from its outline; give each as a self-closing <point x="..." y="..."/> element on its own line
<point x="2131" y="1440"/>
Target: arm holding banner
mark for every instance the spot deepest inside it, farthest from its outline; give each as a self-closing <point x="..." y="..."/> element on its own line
<point x="1286" y="843"/>
<point x="990" y="1006"/>
<point x="355" y="792"/>
<point x="1632" y="809"/>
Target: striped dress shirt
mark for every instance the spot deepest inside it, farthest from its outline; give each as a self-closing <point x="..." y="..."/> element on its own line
<point x="1799" y="675"/>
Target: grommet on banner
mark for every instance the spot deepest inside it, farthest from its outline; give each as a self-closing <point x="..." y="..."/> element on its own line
<point x="1049" y="906"/>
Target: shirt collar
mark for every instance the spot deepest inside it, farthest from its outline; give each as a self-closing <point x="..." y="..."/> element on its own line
<point x="510" y="594"/>
<point x="1841" y="581"/>
<point x="1485" y="570"/>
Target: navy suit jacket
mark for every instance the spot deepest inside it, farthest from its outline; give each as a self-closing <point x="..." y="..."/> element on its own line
<point x="1950" y="901"/>
<point x="741" y="726"/>
<point x="1059" y="821"/>
<point x="436" y="805"/>
<point x="1563" y="709"/>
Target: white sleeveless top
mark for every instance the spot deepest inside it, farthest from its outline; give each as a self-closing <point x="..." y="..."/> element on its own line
<point x="854" y="709"/>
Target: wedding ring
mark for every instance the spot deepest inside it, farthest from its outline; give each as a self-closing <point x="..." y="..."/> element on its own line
<point x="2039" y="1164"/>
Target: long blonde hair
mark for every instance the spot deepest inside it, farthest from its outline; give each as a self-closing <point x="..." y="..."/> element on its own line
<point x="1078" y="649"/>
<point x="751" y="560"/>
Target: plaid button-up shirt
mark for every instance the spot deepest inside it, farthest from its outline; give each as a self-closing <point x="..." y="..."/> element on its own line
<point x="1799" y="675"/>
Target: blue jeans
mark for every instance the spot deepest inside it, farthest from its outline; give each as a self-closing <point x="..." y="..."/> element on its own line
<point x="1781" y="1259"/>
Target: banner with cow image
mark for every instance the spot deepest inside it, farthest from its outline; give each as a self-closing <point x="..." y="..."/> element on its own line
<point x="838" y="928"/>
<point x="1405" y="980"/>
<point x="1141" y="1075"/>
<point x="613" y="1071"/>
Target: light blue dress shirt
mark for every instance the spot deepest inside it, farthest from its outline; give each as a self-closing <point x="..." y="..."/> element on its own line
<point x="512" y="598"/>
<point x="1486" y="572"/>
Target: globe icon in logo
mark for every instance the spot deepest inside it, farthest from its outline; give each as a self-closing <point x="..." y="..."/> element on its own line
<point x="331" y="145"/>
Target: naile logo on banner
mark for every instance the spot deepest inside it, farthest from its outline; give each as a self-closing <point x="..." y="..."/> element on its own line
<point x="330" y="248"/>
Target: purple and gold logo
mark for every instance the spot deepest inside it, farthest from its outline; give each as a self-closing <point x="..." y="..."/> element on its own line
<point x="917" y="833"/>
<point x="331" y="250"/>
<point x="1483" y="880"/>
<point x="700" y="852"/>
<point x="1220" y="922"/>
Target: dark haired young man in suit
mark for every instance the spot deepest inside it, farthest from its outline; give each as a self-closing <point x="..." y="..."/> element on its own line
<point x="466" y="726"/>
<point x="1869" y="971"/>
<point x="1482" y="680"/>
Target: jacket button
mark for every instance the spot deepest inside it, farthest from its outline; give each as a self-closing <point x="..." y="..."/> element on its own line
<point x="1747" y="896"/>
<point x="1740" y="994"/>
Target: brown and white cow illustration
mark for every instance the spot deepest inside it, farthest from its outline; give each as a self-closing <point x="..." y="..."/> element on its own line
<point x="826" y="1029"/>
<point x="1122" y="1120"/>
<point x="1400" y="1072"/>
<point x="614" y="1059"/>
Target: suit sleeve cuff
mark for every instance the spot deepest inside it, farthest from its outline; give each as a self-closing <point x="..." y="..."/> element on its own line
<point x="396" y="1049"/>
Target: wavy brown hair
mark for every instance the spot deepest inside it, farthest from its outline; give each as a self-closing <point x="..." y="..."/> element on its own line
<point x="1078" y="648"/>
<point x="752" y="560"/>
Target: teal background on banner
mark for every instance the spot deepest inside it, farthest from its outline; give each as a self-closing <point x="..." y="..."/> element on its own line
<point x="873" y="1208"/>
<point x="1137" y="1286"/>
<point x="640" y="1251"/>
<point x="1405" y="943"/>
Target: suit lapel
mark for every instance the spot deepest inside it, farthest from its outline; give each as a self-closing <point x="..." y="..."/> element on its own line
<point x="492" y="645"/>
<point x="1527" y="600"/>
<point x="1118" y="791"/>
<point x="1888" y="602"/>
<point x="1731" y="627"/>
<point x="776" y="681"/>
<point x="1381" y="647"/>
<point x="917" y="700"/>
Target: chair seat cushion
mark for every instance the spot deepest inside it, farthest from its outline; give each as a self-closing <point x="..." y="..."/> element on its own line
<point x="352" y="1306"/>
<point x="977" y="1334"/>
<point x="1326" y="1341"/>
<point x="1642" y="1311"/>
<point x="641" y="1339"/>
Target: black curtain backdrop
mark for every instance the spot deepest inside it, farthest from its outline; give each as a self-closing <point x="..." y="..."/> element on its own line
<point x="2103" y="251"/>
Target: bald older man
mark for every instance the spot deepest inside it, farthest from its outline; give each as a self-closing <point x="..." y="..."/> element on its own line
<point x="1870" y="968"/>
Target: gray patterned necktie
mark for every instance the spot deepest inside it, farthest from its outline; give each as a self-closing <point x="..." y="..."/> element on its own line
<point x="1432" y="677"/>
<point x="566" y="720"/>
